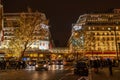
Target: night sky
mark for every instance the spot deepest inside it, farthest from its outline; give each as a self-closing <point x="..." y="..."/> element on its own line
<point x="61" y="13"/>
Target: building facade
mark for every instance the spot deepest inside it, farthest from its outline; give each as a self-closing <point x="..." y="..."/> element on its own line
<point x="41" y="42"/>
<point x="97" y="34"/>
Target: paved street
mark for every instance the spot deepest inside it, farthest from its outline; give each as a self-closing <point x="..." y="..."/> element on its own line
<point x="65" y="74"/>
<point x="104" y="74"/>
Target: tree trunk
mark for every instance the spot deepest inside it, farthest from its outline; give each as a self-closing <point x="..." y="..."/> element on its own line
<point x="22" y="55"/>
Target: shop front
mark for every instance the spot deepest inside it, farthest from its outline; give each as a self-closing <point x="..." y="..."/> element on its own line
<point x="36" y="55"/>
<point x="106" y="54"/>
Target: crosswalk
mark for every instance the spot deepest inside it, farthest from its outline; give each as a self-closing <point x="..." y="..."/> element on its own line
<point x="60" y="67"/>
<point x="69" y="68"/>
<point x="53" y="67"/>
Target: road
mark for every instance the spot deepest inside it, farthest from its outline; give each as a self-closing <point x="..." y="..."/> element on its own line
<point x="65" y="74"/>
<point x="104" y="74"/>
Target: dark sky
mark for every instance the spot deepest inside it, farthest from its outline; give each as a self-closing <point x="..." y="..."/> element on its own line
<point x="61" y="13"/>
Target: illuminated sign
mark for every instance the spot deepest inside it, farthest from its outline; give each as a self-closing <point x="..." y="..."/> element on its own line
<point x="44" y="45"/>
<point x="44" y="26"/>
<point x="77" y="27"/>
<point x="41" y="26"/>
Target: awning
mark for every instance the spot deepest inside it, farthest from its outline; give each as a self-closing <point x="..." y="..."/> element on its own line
<point x="100" y="52"/>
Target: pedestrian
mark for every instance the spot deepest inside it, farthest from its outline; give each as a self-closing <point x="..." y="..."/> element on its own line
<point x="96" y="65"/>
<point x="110" y="66"/>
<point x="0" y="65"/>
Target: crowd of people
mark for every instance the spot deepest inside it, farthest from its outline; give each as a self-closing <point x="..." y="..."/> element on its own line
<point x="101" y="63"/>
<point x="95" y="63"/>
<point x="6" y="64"/>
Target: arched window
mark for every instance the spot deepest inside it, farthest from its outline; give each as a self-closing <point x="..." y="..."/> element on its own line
<point x="107" y="33"/>
<point x="112" y="33"/>
<point x="98" y="33"/>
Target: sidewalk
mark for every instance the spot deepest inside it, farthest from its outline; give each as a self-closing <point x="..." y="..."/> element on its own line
<point x="104" y="74"/>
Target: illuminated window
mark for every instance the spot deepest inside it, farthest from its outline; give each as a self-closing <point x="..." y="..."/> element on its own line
<point x="117" y="28"/>
<point x="35" y="55"/>
<point x="89" y="28"/>
<point x="105" y="33"/>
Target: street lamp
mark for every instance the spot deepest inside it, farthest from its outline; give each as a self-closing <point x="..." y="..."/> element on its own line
<point x="114" y="29"/>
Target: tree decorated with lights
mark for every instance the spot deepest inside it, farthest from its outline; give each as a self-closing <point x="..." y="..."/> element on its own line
<point x="24" y="33"/>
<point x="77" y="41"/>
<point x="82" y="40"/>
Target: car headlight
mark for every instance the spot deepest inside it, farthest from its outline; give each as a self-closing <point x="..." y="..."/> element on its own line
<point x="36" y="65"/>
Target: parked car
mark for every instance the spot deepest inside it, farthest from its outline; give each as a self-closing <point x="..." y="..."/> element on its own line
<point x="52" y="62"/>
<point x="81" y="68"/>
<point x="68" y="63"/>
<point x="32" y="63"/>
<point x="41" y="65"/>
<point x="59" y="62"/>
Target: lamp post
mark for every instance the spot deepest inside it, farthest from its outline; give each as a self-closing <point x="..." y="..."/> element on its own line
<point x="114" y="29"/>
